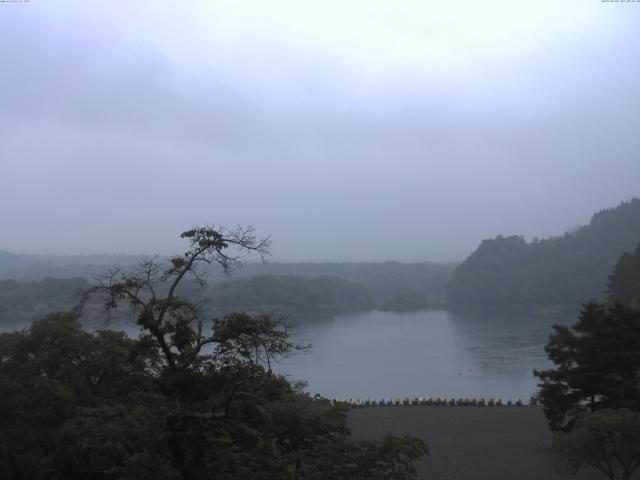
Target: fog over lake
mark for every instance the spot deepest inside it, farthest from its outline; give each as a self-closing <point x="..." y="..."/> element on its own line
<point x="432" y="353"/>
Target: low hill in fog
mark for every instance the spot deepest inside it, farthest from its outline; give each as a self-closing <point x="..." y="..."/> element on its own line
<point x="566" y="270"/>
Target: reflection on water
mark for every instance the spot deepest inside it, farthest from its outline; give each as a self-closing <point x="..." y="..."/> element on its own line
<point x="428" y="353"/>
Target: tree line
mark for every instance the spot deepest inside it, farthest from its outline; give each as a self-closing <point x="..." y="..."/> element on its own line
<point x="564" y="270"/>
<point x="591" y="396"/>
<point x="186" y="400"/>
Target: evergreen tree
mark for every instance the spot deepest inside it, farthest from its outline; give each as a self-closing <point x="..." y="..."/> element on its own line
<point x="597" y="364"/>
<point x="188" y="400"/>
<point x="624" y="282"/>
<point x="562" y="270"/>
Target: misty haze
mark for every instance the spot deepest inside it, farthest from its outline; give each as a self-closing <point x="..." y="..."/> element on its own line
<point x="319" y="240"/>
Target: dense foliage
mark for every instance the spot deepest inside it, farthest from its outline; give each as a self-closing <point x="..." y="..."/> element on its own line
<point x="607" y="440"/>
<point x="557" y="271"/>
<point x="382" y="280"/>
<point x="289" y="294"/>
<point x="292" y="288"/>
<point x="597" y="364"/>
<point x="180" y="402"/>
<point x="22" y="302"/>
<point x="407" y="301"/>
<point x="624" y="282"/>
<point x="76" y="405"/>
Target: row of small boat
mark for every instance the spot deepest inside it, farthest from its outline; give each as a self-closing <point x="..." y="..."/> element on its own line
<point x="439" y="402"/>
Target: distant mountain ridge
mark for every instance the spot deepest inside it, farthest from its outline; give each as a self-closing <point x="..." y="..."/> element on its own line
<point x="566" y="270"/>
<point x="382" y="279"/>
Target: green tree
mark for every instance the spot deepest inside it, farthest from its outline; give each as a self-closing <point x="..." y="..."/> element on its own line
<point x="171" y="322"/>
<point x="189" y="399"/>
<point x="52" y="374"/>
<point x="624" y="281"/>
<point x="391" y="458"/>
<point x="563" y="270"/>
<point x="596" y="364"/>
<point x="407" y="301"/>
<point x="607" y="440"/>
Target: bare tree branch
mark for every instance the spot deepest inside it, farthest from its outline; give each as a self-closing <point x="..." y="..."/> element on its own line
<point x="169" y="318"/>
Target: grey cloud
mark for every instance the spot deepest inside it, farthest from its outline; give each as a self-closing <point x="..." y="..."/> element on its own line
<point x="107" y="146"/>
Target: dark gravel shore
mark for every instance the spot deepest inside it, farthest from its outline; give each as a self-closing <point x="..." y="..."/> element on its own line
<point x="471" y="443"/>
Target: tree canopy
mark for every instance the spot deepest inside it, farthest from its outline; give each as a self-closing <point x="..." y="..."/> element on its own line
<point x="189" y="399"/>
<point x="597" y="364"/>
<point x="624" y="281"/>
<point x="607" y="440"/>
<point x="289" y="294"/>
<point x="406" y="301"/>
<point x="564" y="270"/>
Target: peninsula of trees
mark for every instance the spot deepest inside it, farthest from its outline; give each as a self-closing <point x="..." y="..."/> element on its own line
<point x="566" y="270"/>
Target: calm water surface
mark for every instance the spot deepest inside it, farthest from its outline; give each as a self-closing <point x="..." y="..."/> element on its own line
<point x="431" y="353"/>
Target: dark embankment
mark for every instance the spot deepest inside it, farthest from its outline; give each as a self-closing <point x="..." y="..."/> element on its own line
<point x="470" y="443"/>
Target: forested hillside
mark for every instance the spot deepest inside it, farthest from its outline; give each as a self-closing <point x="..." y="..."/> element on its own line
<point x="565" y="270"/>
<point x="624" y="282"/>
<point x="384" y="281"/>
<point x="289" y="294"/>
<point x="23" y="302"/>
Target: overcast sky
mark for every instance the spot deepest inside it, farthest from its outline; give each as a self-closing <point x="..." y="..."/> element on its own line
<point x="361" y="130"/>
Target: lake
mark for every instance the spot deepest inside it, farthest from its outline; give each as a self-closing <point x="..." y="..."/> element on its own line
<point x="432" y="353"/>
